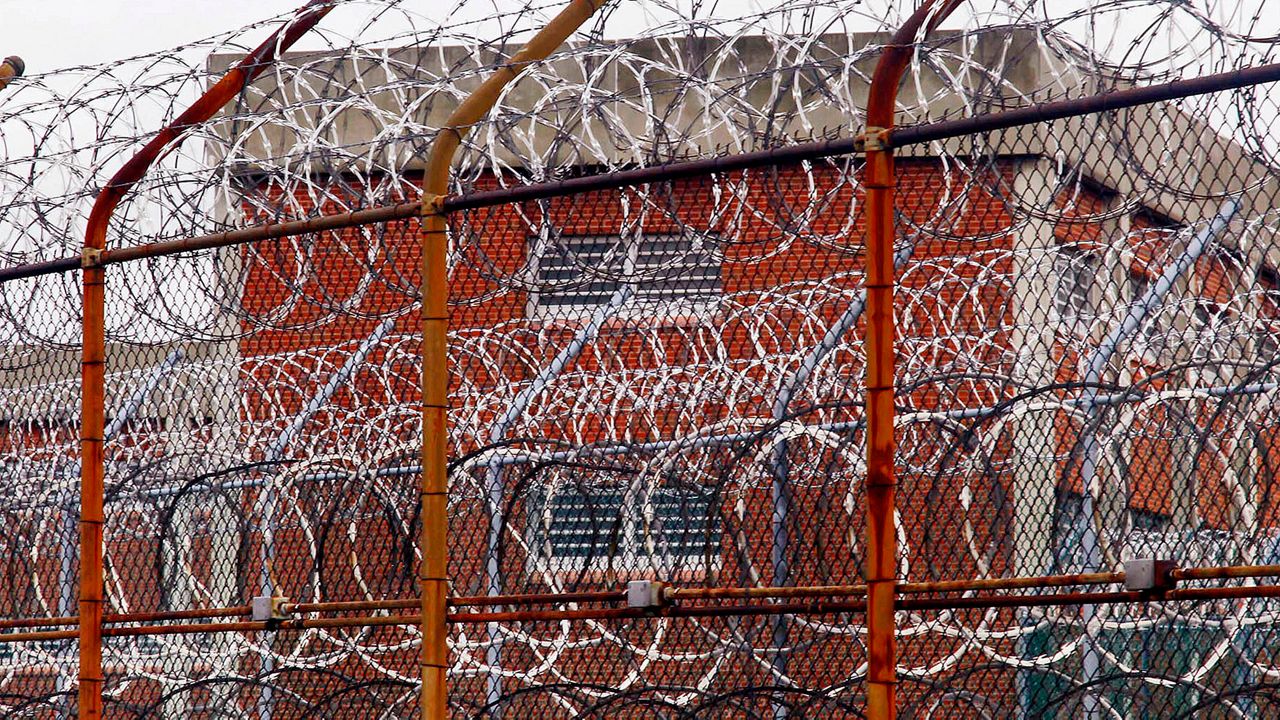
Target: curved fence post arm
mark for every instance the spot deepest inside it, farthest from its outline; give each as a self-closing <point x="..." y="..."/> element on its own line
<point x="433" y="576"/>
<point x="882" y="542"/>
<point x="93" y="352"/>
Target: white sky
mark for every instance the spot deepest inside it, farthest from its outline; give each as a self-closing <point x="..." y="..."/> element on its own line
<point x="52" y="34"/>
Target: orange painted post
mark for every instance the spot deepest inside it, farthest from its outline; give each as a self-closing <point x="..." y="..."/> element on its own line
<point x="433" y="577"/>
<point x="93" y="351"/>
<point x="879" y="179"/>
<point x="92" y="516"/>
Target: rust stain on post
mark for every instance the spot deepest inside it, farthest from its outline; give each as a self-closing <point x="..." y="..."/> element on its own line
<point x="879" y="179"/>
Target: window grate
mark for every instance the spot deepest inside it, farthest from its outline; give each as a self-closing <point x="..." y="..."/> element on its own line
<point x="573" y="528"/>
<point x="575" y="274"/>
<point x="1074" y="299"/>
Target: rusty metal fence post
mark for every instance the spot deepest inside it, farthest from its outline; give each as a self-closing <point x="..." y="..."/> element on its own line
<point x="93" y="351"/>
<point x="92" y="432"/>
<point x="434" y="574"/>
<point x="881" y="542"/>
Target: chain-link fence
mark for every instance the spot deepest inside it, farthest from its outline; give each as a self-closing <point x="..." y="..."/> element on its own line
<point x="661" y="260"/>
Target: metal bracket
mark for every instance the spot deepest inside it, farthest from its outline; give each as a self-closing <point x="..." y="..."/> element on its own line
<point x="1149" y="575"/>
<point x="873" y="139"/>
<point x="647" y="594"/>
<point x="90" y="257"/>
<point x="269" y="608"/>
<point x="433" y="205"/>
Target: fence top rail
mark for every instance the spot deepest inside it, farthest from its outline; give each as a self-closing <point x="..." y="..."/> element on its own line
<point x="797" y="153"/>
<point x="1087" y="105"/>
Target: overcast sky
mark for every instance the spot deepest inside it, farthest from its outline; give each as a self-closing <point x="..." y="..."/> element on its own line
<point x="54" y="34"/>
<point x="51" y="34"/>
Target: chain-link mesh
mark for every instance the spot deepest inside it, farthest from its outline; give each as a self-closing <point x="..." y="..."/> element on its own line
<point x="657" y="441"/>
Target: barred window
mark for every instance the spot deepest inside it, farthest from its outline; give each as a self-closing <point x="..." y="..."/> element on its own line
<point x="39" y="657"/>
<point x="670" y="273"/>
<point x="573" y="528"/>
<point x="1074" y="299"/>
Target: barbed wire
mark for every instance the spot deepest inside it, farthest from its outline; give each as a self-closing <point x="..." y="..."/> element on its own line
<point x="268" y="405"/>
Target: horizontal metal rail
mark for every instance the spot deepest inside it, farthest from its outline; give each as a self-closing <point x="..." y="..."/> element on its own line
<point x="912" y="588"/>
<point x="799" y="152"/>
<point x="270" y="231"/>
<point x="348" y="606"/>
<point x="825" y="607"/>
<point x="590" y="596"/>
<point x="158" y="616"/>
<point x="673" y="594"/>
<point x="292" y="608"/>
<point x="200" y="628"/>
<point x="1087" y="105"/>
<point x="49" y="267"/>
<point x="813" y="607"/>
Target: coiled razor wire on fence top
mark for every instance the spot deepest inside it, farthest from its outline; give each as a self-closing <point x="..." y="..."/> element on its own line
<point x="662" y="381"/>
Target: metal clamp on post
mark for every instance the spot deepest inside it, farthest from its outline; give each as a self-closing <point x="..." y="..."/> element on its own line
<point x="432" y="205"/>
<point x="647" y="594"/>
<point x="90" y="257"/>
<point x="873" y="139"/>
<point x="1148" y="575"/>
<point x="270" y="609"/>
